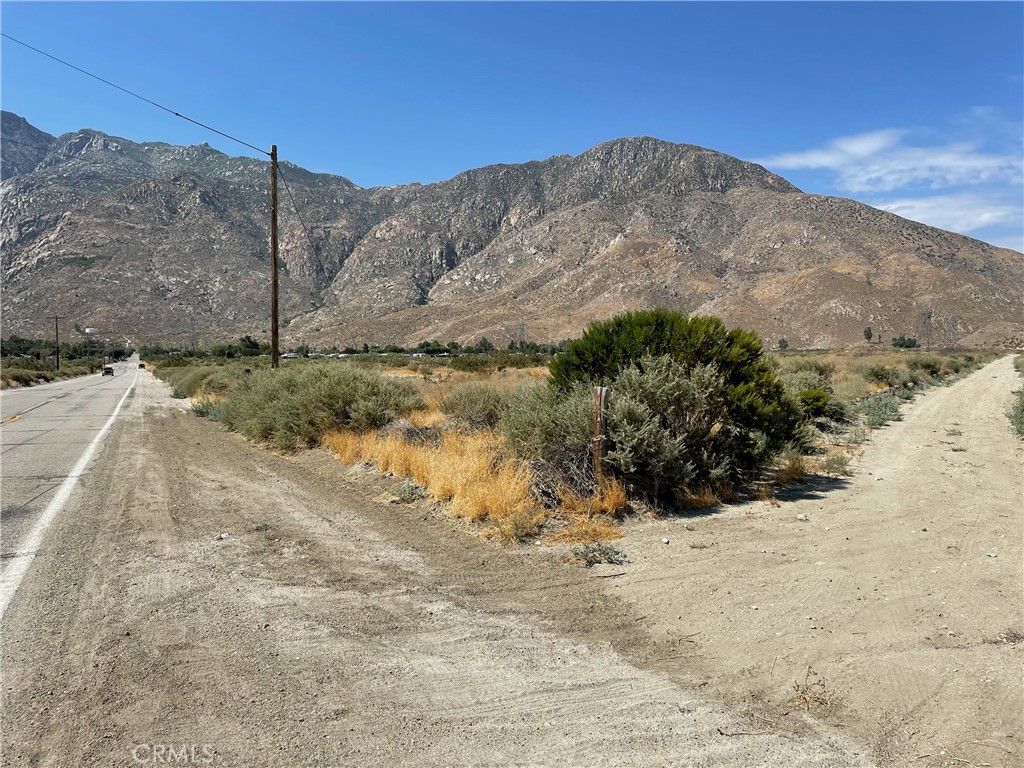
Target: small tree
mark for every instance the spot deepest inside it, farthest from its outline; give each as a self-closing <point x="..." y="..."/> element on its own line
<point x="783" y="343"/>
<point x="868" y="333"/>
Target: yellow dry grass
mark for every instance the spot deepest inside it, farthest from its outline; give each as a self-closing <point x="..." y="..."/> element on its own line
<point x="484" y="485"/>
<point x="791" y="470"/>
<point x="591" y="518"/>
<point x="467" y="469"/>
<point x="429" y="417"/>
<point x="702" y="498"/>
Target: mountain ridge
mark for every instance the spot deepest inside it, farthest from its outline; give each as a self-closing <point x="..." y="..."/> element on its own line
<point x="154" y="239"/>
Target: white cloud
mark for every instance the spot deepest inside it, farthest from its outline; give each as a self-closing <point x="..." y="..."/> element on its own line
<point x="958" y="213"/>
<point x="880" y="161"/>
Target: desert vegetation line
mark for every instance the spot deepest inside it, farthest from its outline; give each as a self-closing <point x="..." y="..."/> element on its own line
<point x="700" y="414"/>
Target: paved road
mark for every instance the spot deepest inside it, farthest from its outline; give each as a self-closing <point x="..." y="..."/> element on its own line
<point x="44" y="432"/>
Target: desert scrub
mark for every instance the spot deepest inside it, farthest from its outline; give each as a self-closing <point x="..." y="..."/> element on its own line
<point x="296" y="406"/>
<point x="196" y="380"/>
<point x="552" y="430"/>
<point x="693" y="403"/>
<point x="792" y="467"/>
<point x="595" y="554"/>
<point x="885" y="375"/>
<point x="674" y="428"/>
<point x="1016" y="413"/>
<point x="875" y="412"/>
<point x="475" y="404"/>
<point x="21" y="377"/>
<point x="812" y="389"/>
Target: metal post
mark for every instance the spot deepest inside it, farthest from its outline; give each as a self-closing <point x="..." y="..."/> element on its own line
<point x="274" y="351"/>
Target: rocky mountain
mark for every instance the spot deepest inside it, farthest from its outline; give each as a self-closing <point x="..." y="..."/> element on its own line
<point x="155" y="242"/>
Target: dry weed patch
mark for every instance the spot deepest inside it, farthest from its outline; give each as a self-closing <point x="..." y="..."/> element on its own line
<point x="792" y="470"/>
<point x="591" y="518"/>
<point x="468" y="470"/>
<point x="703" y="498"/>
<point x="812" y="695"/>
<point x="483" y="484"/>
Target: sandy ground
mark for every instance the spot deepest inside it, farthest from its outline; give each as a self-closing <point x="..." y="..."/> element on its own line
<point x="331" y="627"/>
<point x="894" y="607"/>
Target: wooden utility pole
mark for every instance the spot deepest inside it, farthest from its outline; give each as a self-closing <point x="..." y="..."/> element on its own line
<point x="600" y="436"/>
<point x="56" y="336"/>
<point x="274" y="351"/>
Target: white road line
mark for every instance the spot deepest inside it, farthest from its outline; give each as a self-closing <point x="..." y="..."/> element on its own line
<point x="12" y="576"/>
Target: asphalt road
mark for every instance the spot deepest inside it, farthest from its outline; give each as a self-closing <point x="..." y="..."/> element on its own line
<point x="44" y="431"/>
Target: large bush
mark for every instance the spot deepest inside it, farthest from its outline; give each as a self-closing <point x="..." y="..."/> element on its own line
<point x="475" y="404"/>
<point x="671" y="428"/>
<point x="754" y="397"/>
<point x="553" y="430"/>
<point x="294" y="407"/>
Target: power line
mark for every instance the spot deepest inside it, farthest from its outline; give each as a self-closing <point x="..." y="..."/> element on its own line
<point x="136" y="95"/>
<point x="309" y="240"/>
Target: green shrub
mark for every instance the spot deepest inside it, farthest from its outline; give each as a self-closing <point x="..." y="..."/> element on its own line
<point x="671" y="428"/>
<point x="929" y="364"/>
<point x="552" y="429"/>
<point x="755" y="399"/>
<point x="295" y="406"/>
<point x="814" y="393"/>
<point x="876" y="412"/>
<point x="823" y="368"/>
<point x="1017" y="413"/>
<point x="882" y="374"/>
<point x="820" y="403"/>
<point x="475" y="404"/>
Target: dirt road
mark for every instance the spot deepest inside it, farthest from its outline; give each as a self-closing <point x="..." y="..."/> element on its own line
<point x="330" y="627"/>
<point x="903" y="591"/>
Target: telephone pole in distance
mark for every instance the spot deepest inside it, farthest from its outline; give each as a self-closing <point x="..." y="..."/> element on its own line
<point x="56" y="336"/>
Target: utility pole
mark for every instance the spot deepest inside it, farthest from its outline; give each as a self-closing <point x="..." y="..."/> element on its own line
<point x="274" y="351"/>
<point x="56" y="336"/>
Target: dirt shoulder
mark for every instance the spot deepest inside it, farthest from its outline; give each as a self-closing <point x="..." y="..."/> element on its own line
<point x="330" y="627"/>
<point x="894" y="612"/>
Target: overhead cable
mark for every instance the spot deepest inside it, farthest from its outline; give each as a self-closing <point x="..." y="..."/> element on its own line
<point x="295" y="206"/>
<point x="136" y="95"/>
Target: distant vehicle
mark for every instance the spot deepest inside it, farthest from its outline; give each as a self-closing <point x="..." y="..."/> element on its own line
<point x="142" y="366"/>
<point x="108" y="370"/>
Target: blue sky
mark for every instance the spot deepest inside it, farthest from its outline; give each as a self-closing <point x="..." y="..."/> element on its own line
<point x="916" y="108"/>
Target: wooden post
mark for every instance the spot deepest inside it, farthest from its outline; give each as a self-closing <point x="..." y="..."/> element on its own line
<point x="274" y="350"/>
<point x="600" y="438"/>
<point x="56" y="337"/>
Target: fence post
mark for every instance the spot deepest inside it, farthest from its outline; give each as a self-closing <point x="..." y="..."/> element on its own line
<point x="600" y="437"/>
